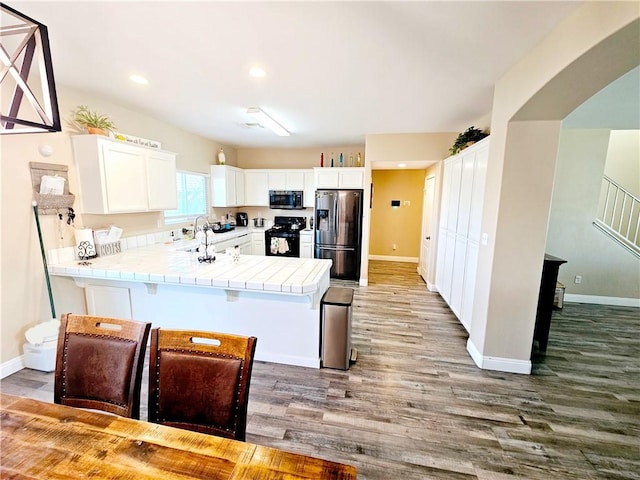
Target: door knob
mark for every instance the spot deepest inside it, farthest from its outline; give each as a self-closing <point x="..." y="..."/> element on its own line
<point x="427" y="238"/>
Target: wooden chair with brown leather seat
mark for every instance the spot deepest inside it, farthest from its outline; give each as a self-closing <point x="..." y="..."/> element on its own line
<point x="200" y="381"/>
<point x="99" y="363"/>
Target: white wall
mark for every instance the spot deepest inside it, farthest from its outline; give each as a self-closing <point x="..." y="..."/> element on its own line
<point x="607" y="269"/>
<point x="589" y="49"/>
<point x="23" y="291"/>
<point x="623" y="159"/>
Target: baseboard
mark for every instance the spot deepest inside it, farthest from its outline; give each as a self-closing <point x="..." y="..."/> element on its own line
<point x="12" y="366"/>
<point x="509" y="365"/>
<point x="432" y="287"/>
<point x="598" y="300"/>
<point x="391" y="258"/>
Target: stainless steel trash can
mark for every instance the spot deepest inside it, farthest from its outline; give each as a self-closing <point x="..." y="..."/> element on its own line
<point x="335" y="350"/>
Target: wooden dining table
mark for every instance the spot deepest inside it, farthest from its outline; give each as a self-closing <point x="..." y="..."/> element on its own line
<point x="41" y="440"/>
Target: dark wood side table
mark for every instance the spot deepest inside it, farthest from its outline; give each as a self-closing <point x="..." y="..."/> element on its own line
<point x="545" y="301"/>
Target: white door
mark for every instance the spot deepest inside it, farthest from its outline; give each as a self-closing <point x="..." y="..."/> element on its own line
<point x="425" y="243"/>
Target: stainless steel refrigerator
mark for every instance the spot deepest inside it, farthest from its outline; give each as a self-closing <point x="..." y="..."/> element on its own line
<point x="338" y="230"/>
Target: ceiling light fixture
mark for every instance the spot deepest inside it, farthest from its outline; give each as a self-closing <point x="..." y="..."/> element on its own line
<point x="139" y="79"/>
<point x="266" y="121"/>
<point x="26" y="76"/>
<point x="257" y="72"/>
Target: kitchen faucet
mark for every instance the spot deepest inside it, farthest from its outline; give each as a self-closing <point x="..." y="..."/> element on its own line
<point x="195" y="223"/>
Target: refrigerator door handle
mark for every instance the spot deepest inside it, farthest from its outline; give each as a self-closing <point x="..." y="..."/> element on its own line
<point x="338" y="248"/>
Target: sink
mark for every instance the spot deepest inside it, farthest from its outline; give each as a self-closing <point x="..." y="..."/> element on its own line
<point x="185" y="245"/>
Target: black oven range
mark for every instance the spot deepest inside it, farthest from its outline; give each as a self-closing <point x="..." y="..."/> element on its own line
<point x="283" y="239"/>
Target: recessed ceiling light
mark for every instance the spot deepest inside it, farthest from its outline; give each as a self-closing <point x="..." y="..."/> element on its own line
<point x="257" y="72"/>
<point x="139" y="79"/>
<point x="402" y="165"/>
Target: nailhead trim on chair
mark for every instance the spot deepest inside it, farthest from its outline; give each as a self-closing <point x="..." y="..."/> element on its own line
<point x="64" y="360"/>
<point x="210" y="354"/>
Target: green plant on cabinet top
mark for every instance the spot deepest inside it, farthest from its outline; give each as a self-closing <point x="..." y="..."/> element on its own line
<point x="84" y="120"/>
<point x="470" y="136"/>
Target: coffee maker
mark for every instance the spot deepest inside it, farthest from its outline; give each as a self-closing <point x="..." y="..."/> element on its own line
<point x="242" y="219"/>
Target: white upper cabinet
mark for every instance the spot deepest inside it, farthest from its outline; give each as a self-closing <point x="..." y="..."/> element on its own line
<point x="119" y="177"/>
<point x="256" y="188"/>
<point x="347" y="177"/>
<point x="161" y="180"/>
<point x="309" y="194"/>
<point x="286" y="179"/>
<point x="258" y="182"/>
<point x="227" y="186"/>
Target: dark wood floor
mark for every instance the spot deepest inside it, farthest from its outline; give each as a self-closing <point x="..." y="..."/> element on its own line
<point x="414" y="405"/>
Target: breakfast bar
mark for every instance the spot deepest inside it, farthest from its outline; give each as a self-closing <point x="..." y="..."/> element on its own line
<point x="275" y="299"/>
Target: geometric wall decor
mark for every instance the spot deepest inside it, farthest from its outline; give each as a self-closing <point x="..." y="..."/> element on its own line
<point x="27" y="90"/>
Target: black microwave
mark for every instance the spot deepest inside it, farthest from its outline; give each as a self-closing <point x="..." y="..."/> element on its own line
<point x="286" y="199"/>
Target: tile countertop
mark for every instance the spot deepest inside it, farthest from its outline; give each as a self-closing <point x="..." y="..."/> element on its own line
<point x="170" y="264"/>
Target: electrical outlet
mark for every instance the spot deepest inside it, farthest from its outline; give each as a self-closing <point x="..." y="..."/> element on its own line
<point x="394" y="246"/>
<point x="578" y="279"/>
<point x="407" y="203"/>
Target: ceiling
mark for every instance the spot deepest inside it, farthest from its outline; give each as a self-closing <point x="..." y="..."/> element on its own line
<point x="336" y="71"/>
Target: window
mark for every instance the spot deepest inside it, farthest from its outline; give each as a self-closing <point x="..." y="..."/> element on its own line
<point x="192" y="197"/>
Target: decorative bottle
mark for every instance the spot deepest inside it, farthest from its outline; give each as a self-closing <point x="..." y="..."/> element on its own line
<point x="351" y="159"/>
<point x="322" y="159"/>
<point x="341" y="162"/>
<point x="359" y="160"/>
<point x="332" y="159"/>
<point x="221" y="157"/>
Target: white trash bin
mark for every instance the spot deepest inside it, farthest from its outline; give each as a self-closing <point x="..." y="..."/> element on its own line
<point x="40" y="348"/>
<point x="40" y="357"/>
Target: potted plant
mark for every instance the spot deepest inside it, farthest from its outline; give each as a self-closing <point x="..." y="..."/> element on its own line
<point x="467" y="138"/>
<point x="85" y="120"/>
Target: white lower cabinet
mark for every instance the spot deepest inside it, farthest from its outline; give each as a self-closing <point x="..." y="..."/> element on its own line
<point x="243" y="242"/>
<point x="106" y="301"/>
<point x="306" y="244"/>
<point x="257" y="243"/>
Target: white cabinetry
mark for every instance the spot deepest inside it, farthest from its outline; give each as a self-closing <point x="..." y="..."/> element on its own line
<point x="460" y="222"/>
<point x="258" y="182"/>
<point x="243" y="242"/>
<point x="256" y="188"/>
<point x="306" y="244"/>
<point x="257" y="243"/>
<point x="309" y="194"/>
<point x="286" y="179"/>
<point x="107" y="301"/>
<point x="347" y="177"/>
<point x="118" y="177"/>
<point x="227" y="186"/>
<point x="161" y="180"/>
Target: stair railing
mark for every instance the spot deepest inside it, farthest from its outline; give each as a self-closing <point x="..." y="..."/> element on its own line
<point x="619" y="215"/>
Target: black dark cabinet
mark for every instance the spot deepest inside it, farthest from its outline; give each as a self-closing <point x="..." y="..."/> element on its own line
<point x="545" y="301"/>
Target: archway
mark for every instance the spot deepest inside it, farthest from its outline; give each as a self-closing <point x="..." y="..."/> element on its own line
<point x="591" y="48"/>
